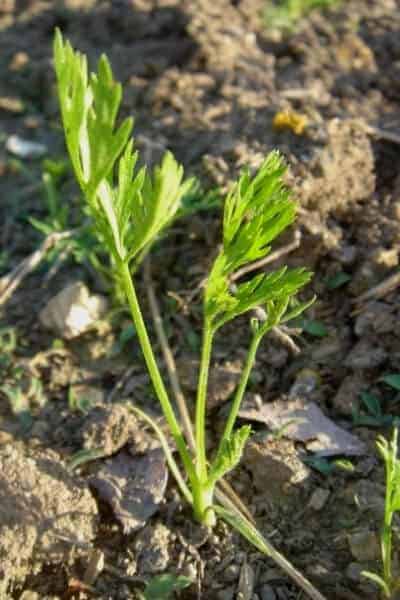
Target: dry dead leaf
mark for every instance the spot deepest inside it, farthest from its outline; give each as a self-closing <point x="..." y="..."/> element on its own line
<point x="133" y="486"/>
<point x="304" y="421"/>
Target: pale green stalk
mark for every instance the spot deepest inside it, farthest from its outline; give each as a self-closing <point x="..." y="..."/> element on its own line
<point x="202" y="493"/>
<point x="386" y="537"/>
<point x="201" y="402"/>
<point x="244" y="379"/>
<point x="154" y="372"/>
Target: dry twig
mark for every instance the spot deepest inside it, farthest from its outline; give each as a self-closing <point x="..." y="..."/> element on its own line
<point x="10" y="282"/>
<point x="382" y="289"/>
<point x="380" y="133"/>
<point x="281" y="334"/>
<point x="168" y="356"/>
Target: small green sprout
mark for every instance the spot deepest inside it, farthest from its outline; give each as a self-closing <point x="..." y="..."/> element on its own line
<point x="130" y="207"/>
<point x="77" y="403"/>
<point x="285" y="14"/>
<point x="338" y="280"/>
<point x="23" y="396"/>
<point x="374" y="413"/>
<point x="57" y="211"/>
<point x="163" y="586"/>
<point x="313" y="327"/>
<point x="387" y="582"/>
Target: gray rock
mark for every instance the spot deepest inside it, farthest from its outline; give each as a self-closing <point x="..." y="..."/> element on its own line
<point x="368" y="496"/>
<point x="133" y="486"/>
<point x="246" y="582"/>
<point x="376" y="317"/>
<point x="365" y="356"/>
<point x="267" y="593"/>
<point x="364" y="546"/>
<point x="231" y="573"/>
<point x="226" y="594"/>
<point x="318" y="499"/>
<point x="354" y="572"/>
<point x="347" y="396"/>
<point x="152" y="548"/>
<point x="112" y="427"/>
<point x="276" y="469"/>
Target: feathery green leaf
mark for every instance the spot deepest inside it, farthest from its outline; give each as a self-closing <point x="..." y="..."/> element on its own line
<point x="256" y="211"/>
<point x="229" y="455"/>
<point x="130" y="207"/>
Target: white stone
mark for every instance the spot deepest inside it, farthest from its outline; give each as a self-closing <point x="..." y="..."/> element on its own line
<point x="73" y="311"/>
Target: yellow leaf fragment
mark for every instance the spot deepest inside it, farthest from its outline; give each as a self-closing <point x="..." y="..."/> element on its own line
<point x="290" y="119"/>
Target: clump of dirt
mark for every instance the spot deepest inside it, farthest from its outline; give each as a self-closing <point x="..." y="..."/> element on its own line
<point x="45" y="512"/>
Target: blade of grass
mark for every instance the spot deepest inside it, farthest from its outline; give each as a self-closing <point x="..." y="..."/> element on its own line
<point x="248" y="531"/>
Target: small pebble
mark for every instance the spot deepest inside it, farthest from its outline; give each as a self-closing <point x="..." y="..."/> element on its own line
<point x="353" y="572"/>
<point x="246" y="582"/>
<point x="267" y="593"/>
<point x="18" y="61"/>
<point x="190" y="571"/>
<point x="231" y="573"/>
<point x="318" y="499"/>
<point x="25" y="148"/>
<point x="226" y="594"/>
<point x="364" y="546"/>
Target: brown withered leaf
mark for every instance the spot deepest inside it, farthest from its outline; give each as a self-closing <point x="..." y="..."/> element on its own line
<point x="304" y="421"/>
<point x="133" y="486"/>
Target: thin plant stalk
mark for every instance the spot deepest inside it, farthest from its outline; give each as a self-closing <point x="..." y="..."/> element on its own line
<point x="244" y="379"/>
<point x="153" y="369"/>
<point x="386" y="538"/>
<point x="386" y="544"/>
<point x="201" y="402"/>
<point x="202" y="492"/>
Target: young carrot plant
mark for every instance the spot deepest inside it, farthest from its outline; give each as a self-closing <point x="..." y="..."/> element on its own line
<point x="387" y="581"/>
<point x="130" y="207"/>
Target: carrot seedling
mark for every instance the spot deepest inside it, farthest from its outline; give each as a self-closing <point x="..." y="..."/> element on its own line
<point x="130" y="208"/>
<point x="387" y="581"/>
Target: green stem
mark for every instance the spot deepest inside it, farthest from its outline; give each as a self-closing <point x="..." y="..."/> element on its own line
<point x="387" y="533"/>
<point x="154" y="372"/>
<point x="251" y="356"/>
<point x="203" y="505"/>
<point x="201" y="403"/>
<point x="387" y="553"/>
